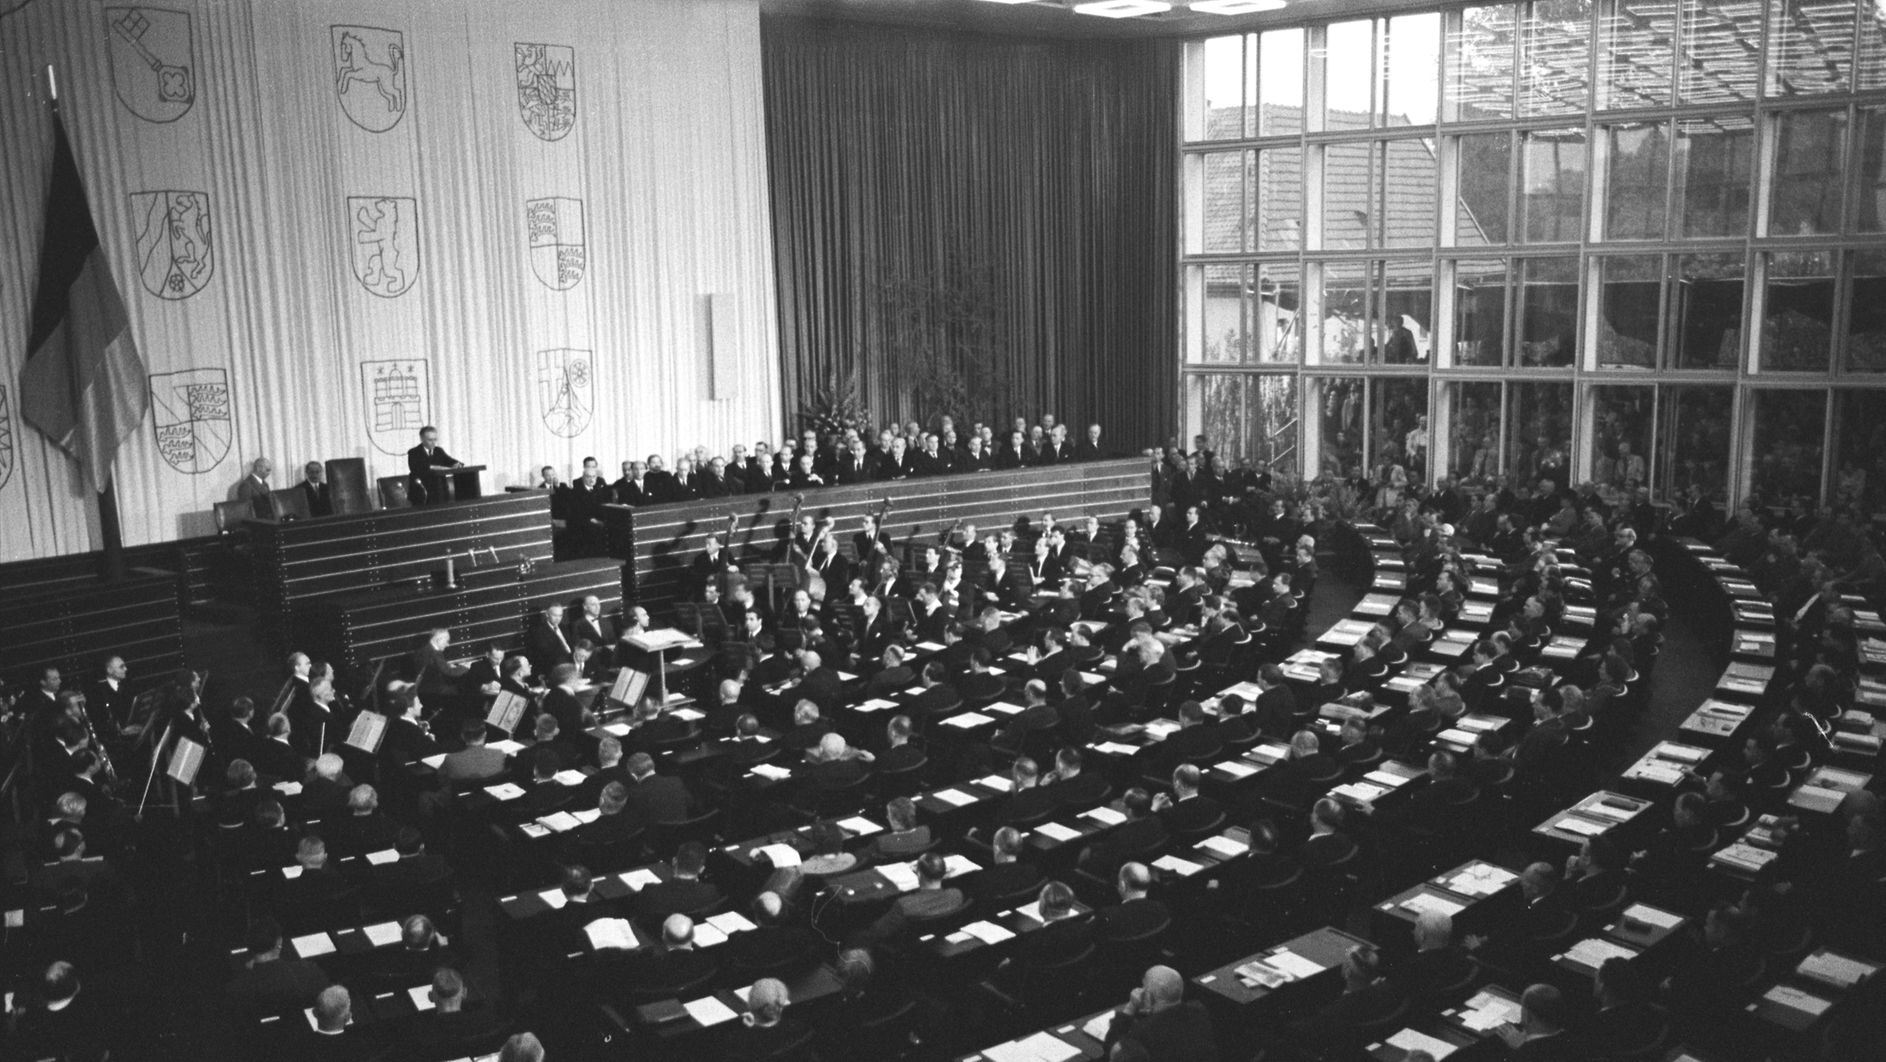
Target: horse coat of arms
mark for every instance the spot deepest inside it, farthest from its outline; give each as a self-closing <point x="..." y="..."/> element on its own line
<point x="370" y="75"/>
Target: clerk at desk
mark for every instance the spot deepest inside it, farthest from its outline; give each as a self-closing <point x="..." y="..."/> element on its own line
<point x="428" y="456"/>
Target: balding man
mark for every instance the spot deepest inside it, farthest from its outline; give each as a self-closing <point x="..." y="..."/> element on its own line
<point x="335" y="1037"/>
<point x="451" y="1024"/>
<point x="675" y="966"/>
<point x="1137" y="915"/>
<point x="1161" y="1022"/>
<point x="255" y="488"/>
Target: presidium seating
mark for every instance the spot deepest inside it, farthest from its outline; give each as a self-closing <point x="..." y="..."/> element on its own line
<point x="662" y="539"/>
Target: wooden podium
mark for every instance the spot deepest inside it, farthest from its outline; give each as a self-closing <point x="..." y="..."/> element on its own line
<point x="452" y="484"/>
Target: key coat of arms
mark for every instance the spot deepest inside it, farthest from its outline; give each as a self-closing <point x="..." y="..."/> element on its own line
<point x="564" y="389"/>
<point x="383" y="242"/>
<point x="558" y="254"/>
<point x="546" y="88"/>
<point x="153" y="70"/>
<point x="397" y="395"/>
<point x="190" y="410"/>
<point x="370" y="75"/>
<point x="173" y="242"/>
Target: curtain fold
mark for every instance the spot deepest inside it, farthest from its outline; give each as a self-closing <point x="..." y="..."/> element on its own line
<point x="924" y="178"/>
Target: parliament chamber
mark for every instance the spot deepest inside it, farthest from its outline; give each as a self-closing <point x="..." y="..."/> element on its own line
<point x="926" y="530"/>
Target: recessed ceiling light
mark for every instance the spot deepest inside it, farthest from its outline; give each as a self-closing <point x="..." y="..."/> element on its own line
<point x="1235" y="7"/>
<point x="1122" y="8"/>
<point x="1008" y="1"/>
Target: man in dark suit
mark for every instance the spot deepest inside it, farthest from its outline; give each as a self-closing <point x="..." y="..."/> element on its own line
<point x="1142" y="833"/>
<point x="856" y="465"/>
<point x="474" y="762"/>
<point x="1275" y="709"/>
<point x="904" y="839"/>
<point x="1029" y="803"/>
<point x="1158" y="1018"/>
<point x="269" y="984"/>
<point x="452" y="1024"/>
<point x="1542" y="1032"/>
<point x="59" y="1019"/>
<point x="1057" y="450"/>
<point x="1007" y="875"/>
<point x="930" y="902"/>
<point x="1186" y="810"/>
<point x="583" y="508"/>
<point x="974" y="458"/>
<point x="254" y="488"/>
<point x="1088" y="449"/>
<point x="777" y="948"/>
<point x="316" y="491"/>
<point x="683" y="892"/>
<point x="545" y="644"/>
<point x="653" y="797"/>
<point x="676" y="966"/>
<point x="422" y="461"/>
<point x="1014" y="453"/>
<point x="1136" y="915"/>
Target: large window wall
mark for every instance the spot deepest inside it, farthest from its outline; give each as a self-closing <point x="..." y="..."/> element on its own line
<point x="1640" y="243"/>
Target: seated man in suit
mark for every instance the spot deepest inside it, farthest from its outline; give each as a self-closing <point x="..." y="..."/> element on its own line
<point x="1341" y="1027"/>
<point x="930" y="902"/>
<point x="1185" y="810"/>
<point x="655" y="797"/>
<point x="938" y="695"/>
<point x="1543" y="1032"/>
<point x="1007" y="873"/>
<point x="676" y="966"/>
<point x="451" y="1025"/>
<point x="1193" y="742"/>
<point x="269" y="984"/>
<point x="1438" y="964"/>
<point x="899" y="754"/>
<point x="764" y="1032"/>
<point x="1140" y="835"/>
<point x="904" y="839"/>
<point x="1137" y="914"/>
<point x="1029" y="803"/>
<point x="1327" y="843"/>
<point x="1072" y="785"/>
<point x="780" y="946"/>
<point x="364" y="828"/>
<point x="475" y="762"/>
<point x="1063" y="936"/>
<point x="834" y="764"/>
<point x="682" y="893"/>
<point x="315" y="489"/>
<point x="1161" y="1023"/>
<point x="335" y="1037"/>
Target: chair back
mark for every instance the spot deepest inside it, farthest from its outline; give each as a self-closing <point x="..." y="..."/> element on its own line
<point x="231" y="514"/>
<point x="393" y="493"/>
<point x="347" y="485"/>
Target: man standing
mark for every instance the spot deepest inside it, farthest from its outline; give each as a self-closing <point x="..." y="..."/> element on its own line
<point x="424" y="459"/>
<point x="254" y="488"/>
<point x="314" y="487"/>
<point x="583" y="510"/>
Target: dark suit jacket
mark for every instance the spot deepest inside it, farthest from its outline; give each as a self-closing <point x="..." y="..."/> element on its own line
<point x="674" y="896"/>
<point x="660" y="798"/>
<point x="418" y="463"/>
<point x="1176" y="1034"/>
<point x="1129" y="838"/>
<point x="1131" y="920"/>
<point x="545" y="646"/>
<point x="1186" y="816"/>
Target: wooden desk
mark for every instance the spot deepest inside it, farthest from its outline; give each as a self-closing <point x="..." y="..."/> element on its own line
<point x="1324" y="948"/>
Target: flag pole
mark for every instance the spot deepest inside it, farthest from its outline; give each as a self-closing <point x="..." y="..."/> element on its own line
<point x="109" y="528"/>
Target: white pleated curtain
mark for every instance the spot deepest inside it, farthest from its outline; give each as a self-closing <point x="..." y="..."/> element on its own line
<point x="411" y="251"/>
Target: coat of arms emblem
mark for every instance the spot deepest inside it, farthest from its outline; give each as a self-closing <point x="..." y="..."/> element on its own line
<point x="152" y="64"/>
<point x="190" y="410"/>
<point x="546" y="89"/>
<point x="370" y="75"/>
<point x="558" y="254"/>
<point x="173" y="242"/>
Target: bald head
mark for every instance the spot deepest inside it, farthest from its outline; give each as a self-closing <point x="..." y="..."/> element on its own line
<point x="1163" y="987"/>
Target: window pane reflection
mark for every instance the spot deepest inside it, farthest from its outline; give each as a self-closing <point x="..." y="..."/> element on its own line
<point x="1485" y="170"/>
<point x="1280" y="82"/>
<point x="1552" y="185"/>
<point x="1351" y="211"/>
<point x="1227" y="201"/>
<point x="1539" y="433"/>
<point x="1410" y="69"/>
<point x="1347" y="314"/>
<point x="1225" y="113"/>
<point x="1866" y="324"/>
<point x="1715" y="159"/>
<point x="1557" y="48"/>
<point x="1640" y="162"/>
<point x="1797" y="322"/>
<point x="1350" y="75"/>
<point x="1412" y="188"/>
<point x="1548" y="311"/>
<point x="1250" y="314"/>
<point x="1706" y="302"/>
<point x="1860" y="450"/>
<point x="1693" y="440"/>
<point x="1810" y="164"/>
<point x="1634" y="60"/>
<point x="1871" y="69"/>
<point x="1718" y="64"/>
<point x="1473" y="414"/>
<point x="1250" y="419"/>
<point x="1480" y="311"/>
<point x="1785" y="462"/>
<point x="1280" y="199"/>
<point x="1480" y="64"/>
<point x="1339" y="421"/>
<point x="1407" y="312"/>
<point x="1809" y="49"/>
<point x="1620" y="444"/>
<point x="1869" y="214"/>
<point x="1630" y="289"/>
<point x="1398" y="427"/>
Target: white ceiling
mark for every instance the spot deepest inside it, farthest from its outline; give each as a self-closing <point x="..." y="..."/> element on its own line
<point x="1056" y="18"/>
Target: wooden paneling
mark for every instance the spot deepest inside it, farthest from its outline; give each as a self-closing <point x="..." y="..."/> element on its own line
<point x="492" y="604"/>
<point x="76" y="624"/>
<point x="306" y="559"/>
<point x="663" y="539"/>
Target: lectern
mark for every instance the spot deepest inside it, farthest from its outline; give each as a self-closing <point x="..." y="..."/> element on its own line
<point x="452" y="484"/>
